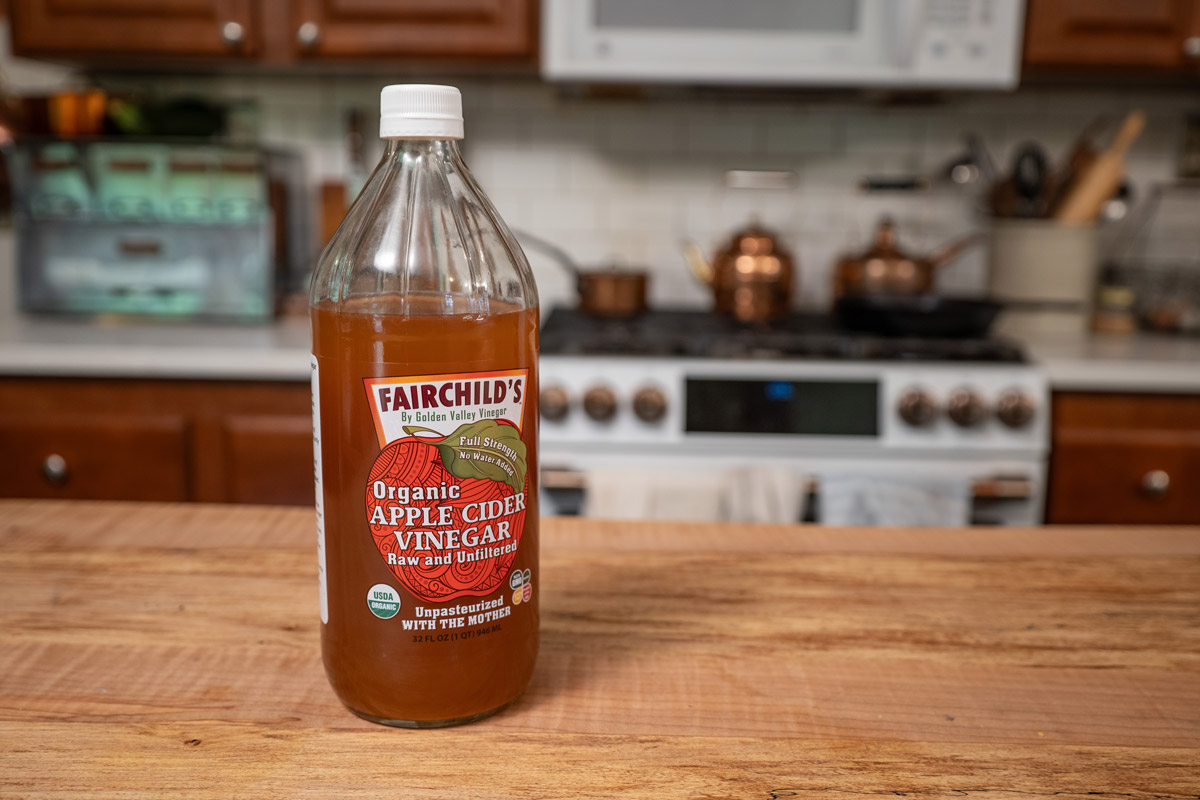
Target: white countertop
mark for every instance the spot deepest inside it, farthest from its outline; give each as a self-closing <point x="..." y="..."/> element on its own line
<point x="51" y="347"/>
<point x="119" y="349"/>
<point x="1143" y="362"/>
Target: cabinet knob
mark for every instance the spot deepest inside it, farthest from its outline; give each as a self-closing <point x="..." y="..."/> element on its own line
<point x="1156" y="482"/>
<point x="308" y="34"/>
<point x="1191" y="47"/>
<point x="232" y="33"/>
<point x="54" y="470"/>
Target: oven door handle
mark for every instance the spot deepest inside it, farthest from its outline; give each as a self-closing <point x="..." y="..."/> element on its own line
<point x="1006" y="488"/>
<point x="997" y="488"/>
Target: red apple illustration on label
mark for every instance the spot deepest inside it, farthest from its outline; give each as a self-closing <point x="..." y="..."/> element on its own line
<point x="441" y="546"/>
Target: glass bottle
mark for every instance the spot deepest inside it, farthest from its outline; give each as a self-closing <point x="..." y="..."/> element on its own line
<point x="425" y="341"/>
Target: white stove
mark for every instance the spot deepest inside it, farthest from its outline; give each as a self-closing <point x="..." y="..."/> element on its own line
<point x="800" y="395"/>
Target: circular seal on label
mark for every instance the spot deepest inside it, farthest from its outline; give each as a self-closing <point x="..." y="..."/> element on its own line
<point x="383" y="600"/>
<point x="518" y="579"/>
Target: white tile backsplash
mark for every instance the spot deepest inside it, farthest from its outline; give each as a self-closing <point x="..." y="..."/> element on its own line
<point x="705" y="134"/>
<point x="628" y="179"/>
<point x="541" y="173"/>
<point x="872" y="132"/>
<point x="641" y="132"/>
<point x="793" y="133"/>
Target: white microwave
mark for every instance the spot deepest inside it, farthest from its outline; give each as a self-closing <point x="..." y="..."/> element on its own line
<point x="973" y="44"/>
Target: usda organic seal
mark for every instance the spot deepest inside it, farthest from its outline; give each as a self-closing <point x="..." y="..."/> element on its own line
<point x="383" y="600"/>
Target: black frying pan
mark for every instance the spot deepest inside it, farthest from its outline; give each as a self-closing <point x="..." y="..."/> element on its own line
<point x="917" y="315"/>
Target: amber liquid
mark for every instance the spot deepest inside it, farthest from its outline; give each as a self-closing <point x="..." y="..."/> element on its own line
<point x="374" y="665"/>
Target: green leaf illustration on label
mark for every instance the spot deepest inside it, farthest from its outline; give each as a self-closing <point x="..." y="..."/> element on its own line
<point x="484" y="449"/>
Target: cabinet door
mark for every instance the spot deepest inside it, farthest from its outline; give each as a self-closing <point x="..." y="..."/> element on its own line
<point x="349" y="29"/>
<point x="94" y="456"/>
<point x="269" y="459"/>
<point x="1125" y="459"/>
<point x="133" y="27"/>
<point x="1125" y="479"/>
<point x="1146" y="33"/>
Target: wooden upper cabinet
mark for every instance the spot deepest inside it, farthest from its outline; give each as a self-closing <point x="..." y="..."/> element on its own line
<point x="277" y="31"/>
<point x="131" y="28"/>
<point x="1117" y="33"/>
<point x="388" y="29"/>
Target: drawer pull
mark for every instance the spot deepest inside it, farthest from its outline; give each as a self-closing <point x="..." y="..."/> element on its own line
<point x="1156" y="482"/>
<point x="54" y="469"/>
<point x="308" y="34"/>
<point x="232" y="33"/>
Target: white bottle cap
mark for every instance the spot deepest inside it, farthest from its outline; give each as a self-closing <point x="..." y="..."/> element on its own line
<point x="420" y="111"/>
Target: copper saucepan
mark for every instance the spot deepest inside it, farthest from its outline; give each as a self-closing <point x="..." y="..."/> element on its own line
<point x="884" y="269"/>
<point x="610" y="292"/>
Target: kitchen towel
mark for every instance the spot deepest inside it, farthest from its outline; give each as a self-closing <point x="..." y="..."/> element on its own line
<point x="855" y="499"/>
<point x="617" y="492"/>
<point x="763" y="494"/>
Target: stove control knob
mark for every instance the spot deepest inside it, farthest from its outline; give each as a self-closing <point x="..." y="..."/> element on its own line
<point x="555" y="403"/>
<point x="965" y="409"/>
<point x="600" y="403"/>
<point x="916" y="407"/>
<point x="649" y="404"/>
<point x="1014" y="408"/>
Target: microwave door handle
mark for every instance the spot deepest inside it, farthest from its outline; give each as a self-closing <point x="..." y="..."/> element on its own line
<point x="908" y="21"/>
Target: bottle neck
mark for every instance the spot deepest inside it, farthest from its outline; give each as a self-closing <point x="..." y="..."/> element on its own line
<point x="398" y="150"/>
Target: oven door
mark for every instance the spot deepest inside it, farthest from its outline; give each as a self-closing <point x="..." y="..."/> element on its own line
<point x="961" y="43"/>
<point x="1002" y="491"/>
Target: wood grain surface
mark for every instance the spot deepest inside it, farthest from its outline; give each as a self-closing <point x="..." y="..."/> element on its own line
<point x="154" y="650"/>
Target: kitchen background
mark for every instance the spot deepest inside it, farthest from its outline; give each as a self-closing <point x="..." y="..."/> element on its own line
<point x="622" y="175"/>
<point x="626" y="180"/>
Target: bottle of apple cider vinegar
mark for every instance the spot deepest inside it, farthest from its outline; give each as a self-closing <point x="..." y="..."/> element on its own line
<point x="424" y="379"/>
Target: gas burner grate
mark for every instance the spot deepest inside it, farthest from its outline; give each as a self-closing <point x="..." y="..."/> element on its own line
<point x="698" y="334"/>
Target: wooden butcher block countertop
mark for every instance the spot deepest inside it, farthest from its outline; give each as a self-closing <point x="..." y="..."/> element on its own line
<point x="151" y="651"/>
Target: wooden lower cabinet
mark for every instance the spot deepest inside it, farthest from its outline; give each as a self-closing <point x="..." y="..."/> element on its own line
<point x="269" y="459"/>
<point x="94" y="456"/>
<point x="211" y="441"/>
<point x="1125" y="459"/>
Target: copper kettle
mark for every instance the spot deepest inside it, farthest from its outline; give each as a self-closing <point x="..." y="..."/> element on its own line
<point x="885" y="269"/>
<point x="751" y="277"/>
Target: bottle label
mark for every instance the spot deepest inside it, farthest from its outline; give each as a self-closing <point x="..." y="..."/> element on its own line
<point x="446" y="497"/>
<point x="317" y="477"/>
